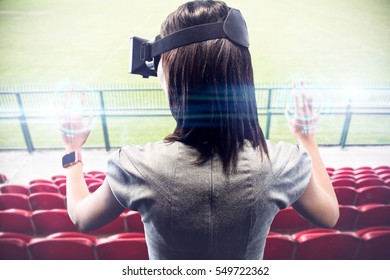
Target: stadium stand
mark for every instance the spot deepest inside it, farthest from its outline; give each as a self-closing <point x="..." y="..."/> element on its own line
<point x="34" y="224"/>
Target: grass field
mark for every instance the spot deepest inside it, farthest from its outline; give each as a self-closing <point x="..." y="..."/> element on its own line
<point x="330" y="42"/>
<point x="43" y="41"/>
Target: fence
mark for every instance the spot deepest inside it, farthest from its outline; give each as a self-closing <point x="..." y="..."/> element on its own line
<point x="27" y="105"/>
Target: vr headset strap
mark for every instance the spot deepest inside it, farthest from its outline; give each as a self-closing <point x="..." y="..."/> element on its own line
<point x="233" y="28"/>
<point x="195" y="34"/>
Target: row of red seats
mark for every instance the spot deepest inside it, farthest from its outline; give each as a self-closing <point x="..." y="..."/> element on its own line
<point x="50" y="200"/>
<point x="364" y="195"/>
<point x="329" y="244"/>
<point x="41" y="186"/>
<point x="351" y="218"/>
<point x="43" y="222"/>
<point x="315" y="244"/>
<point x="358" y="171"/>
<point x="73" y="246"/>
<point x="361" y="177"/>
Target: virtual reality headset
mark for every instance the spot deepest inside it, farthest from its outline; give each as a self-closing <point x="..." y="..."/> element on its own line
<point x="145" y="54"/>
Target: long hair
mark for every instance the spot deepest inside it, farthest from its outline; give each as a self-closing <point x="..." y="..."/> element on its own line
<point x="210" y="89"/>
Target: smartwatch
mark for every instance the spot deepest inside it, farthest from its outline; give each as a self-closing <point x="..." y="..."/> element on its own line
<point x="70" y="159"/>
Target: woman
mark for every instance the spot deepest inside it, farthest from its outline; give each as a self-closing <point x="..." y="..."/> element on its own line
<point x="211" y="189"/>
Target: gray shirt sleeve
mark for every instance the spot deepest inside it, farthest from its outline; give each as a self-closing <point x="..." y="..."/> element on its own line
<point x="121" y="173"/>
<point x="292" y="170"/>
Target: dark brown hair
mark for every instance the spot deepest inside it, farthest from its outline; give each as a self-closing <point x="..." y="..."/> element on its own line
<point x="210" y="88"/>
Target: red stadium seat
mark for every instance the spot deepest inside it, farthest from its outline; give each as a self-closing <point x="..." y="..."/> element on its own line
<point x="14" y="200"/>
<point x="296" y="235"/>
<point x="345" y="195"/>
<point x="288" y="220"/>
<point x="363" y="231"/>
<point x="58" y="176"/>
<point x="72" y="234"/>
<point x="381" y="168"/>
<point x="373" y="215"/>
<point x="52" y="221"/>
<point x="62" y="189"/>
<point x="366" y="175"/>
<point x="327" y="246"/>
<point x="92" y="187"/>
<point x="133" y="222"/>
<point x="375" y="245"/>
<point x="92" y="181"/>
<point x="348" y="217"/>
<point x="13" y="249"/>
<point x="127" y="235"/>
<point x="347" y="182"/>
<point x="46" y="201"/>
<point x="15" y="189"/>
<point x="384" y="176"/>
<point x="62" y="249"/>
<point x="43" y="187"/>
<point x="60" y="180"/>
<point x="279" y="247"/>
<point x="16" y="220"/>
<point x="101" y="176"/>
<point x="342" y="176"/>
<point x="122" y="249"/>
<point x="116" y="226"/>
<point x="94" y="173"/>
<point x="15" y="235"/>
<point x="370" y="181"/>
<point x="373" y="194"/>
<point x="39" y="181"/>
<point x="345" y="169"/>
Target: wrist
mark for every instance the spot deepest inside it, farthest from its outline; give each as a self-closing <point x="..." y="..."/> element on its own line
<point x="71" y="158"/>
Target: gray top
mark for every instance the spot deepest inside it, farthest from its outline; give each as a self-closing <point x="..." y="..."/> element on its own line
<point x="197" y="212"/>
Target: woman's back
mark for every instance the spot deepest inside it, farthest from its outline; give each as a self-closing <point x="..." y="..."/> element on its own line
<point x="196" y="211"/>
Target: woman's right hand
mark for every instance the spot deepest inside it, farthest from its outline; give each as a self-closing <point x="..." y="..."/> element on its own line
<point x="303" y="117"/>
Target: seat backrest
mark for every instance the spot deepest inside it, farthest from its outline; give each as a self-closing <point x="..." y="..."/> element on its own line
<point x="43" y="187"/>
<point x="38" y="181"/>
<point x="279" y="247"/>
<point x="345" y="195"/>
<point x="52" y="221"/>
<point x="16" y="220"/>
<point x="340" y="182"/>
<point x="348" y="217"/>
<point x="375" y="246"/>
<point x="14" y="200"/>
<point x="15" y="235"/>
<point x="373" y="215"/>
<point x="62" y="249"/>
<point x="122" y="249"/>
<point x="22" y="189"/>
<point x="373" y="194"/>
<point x="46" y="201"/>
<point x="327" y="246"/>
<point x="370" y="181"/>
<point x="13" y="249"/>
<point x="72" y="234"/>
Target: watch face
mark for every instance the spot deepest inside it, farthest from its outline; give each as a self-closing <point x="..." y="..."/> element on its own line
<point x="68" y="159"/>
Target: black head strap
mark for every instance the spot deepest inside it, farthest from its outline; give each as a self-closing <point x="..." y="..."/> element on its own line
<point x="233" y="28"/>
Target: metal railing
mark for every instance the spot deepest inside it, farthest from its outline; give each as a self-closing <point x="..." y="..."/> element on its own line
<point x="39" y="104"/>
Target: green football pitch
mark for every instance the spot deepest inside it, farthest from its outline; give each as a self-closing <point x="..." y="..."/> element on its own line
<point x="328" y="42"/>
<point x="332" y="41"/>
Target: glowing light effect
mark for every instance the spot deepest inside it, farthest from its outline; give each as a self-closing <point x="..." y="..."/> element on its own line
<point x="303" y="109"/>
<point x="72" y="110"/>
